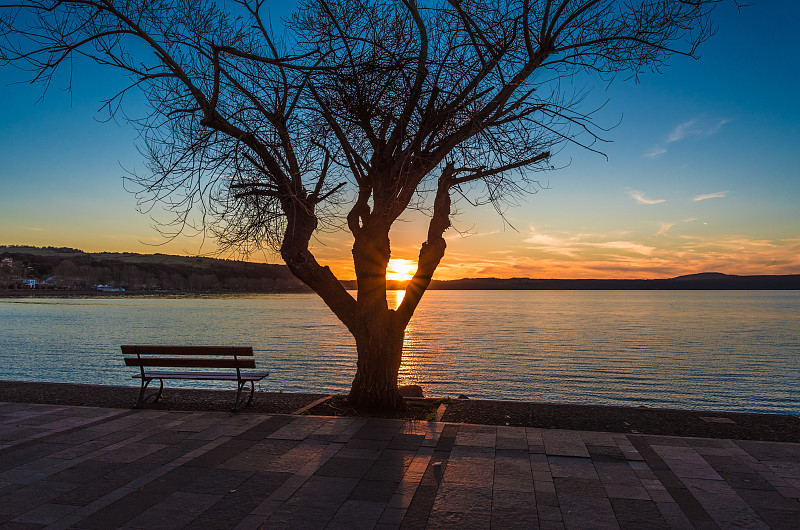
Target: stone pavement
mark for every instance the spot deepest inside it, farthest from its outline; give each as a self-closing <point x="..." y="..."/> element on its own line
<point x="84" y="467"/>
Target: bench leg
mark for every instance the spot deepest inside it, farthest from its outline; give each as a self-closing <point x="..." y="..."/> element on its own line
<point x="239" y="401"/>
<point x="239" y="385"/>
<point x="252" y="390"/>
<point x="145" y="383"/>
<point x="139" y="402"/>
<point x="160" y="392"/>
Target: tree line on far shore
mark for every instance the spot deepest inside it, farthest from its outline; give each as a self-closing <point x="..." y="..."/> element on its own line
<point x="71" y="269"/>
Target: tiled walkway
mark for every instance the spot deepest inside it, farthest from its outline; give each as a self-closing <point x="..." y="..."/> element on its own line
<point x="81" y="467"/>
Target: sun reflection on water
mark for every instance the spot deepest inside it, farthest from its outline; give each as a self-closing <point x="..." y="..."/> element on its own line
<point x="394" y="298"/>
<point x="411" y="371"/>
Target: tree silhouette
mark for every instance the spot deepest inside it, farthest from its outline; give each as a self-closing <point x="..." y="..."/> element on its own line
<point x="358" y="111"/>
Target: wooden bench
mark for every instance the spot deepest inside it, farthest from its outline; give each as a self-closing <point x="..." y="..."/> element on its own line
<point x="234" y="358"/>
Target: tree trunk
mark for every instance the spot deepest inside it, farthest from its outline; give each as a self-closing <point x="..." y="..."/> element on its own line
<point x="380" y="350"/>
<point x="378" y="331"/>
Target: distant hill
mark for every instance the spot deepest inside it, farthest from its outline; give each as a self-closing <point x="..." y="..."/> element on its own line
<point x="71" y="269"/>
<point x="702" y="281"/>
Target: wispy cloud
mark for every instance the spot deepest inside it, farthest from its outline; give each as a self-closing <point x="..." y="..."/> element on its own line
<point x="655" y="152"/>
<point x="663" y="228"/>
<point x="695" y="127"/>
<point x="553" y="244"/>
<point x="34" y="229"/>
<point x="716" y="195"/>
<point x="681" y="131"/>
<point x="641" y="199"/>
<point x="687" y="129"/>
<point x="628" y="246"/>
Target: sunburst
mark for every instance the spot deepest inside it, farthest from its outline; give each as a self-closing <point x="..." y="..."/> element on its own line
<point x="400" y="270"/>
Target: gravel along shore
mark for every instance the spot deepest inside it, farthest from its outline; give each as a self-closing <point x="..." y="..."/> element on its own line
<point x="668" y="422"/>
<point x="174" y="398"/>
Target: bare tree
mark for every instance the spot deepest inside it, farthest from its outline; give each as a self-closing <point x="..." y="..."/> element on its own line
<point x="359" y="111"/>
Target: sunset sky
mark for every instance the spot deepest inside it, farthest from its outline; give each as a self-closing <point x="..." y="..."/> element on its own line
<point x="703" y="174"/>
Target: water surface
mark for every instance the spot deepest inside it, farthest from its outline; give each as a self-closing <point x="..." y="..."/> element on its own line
<point x="720" y="350"/>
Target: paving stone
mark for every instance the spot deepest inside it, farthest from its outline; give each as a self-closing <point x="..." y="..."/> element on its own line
<point x="345" y="467"/>
<point x="514" y="509"/>
<point x="31" y="496"/>
<point x="131" y="505"/>
<point x="175" y="511"/>
<point x="771" y="451"/>
<point x="452" y="497"/>
<point x="218" y="481"/>
<point x="299" y="429"/>
<point x="392" y="517"/>
<point x="13" y="525"/>
<point x="324" y="491"/>
<point x="238" y="503"/>
<point x="288" y="488"/>
<point x="374" y="491"/>
<point x="512" y="519"/>
<point x="626" y="491"/>
<point x="76" y="451"/>
<point x="28" y="453"/>
<point x="477" y="439"/>
<point x="471" y="471"/>
<point x="602" y="453"/>
<point x="357" y="514"/>
<point x="130" y="452"/>
<point x="383" y="470"/>
<point x="476" y="520"/>
<point x="372" y="431"/>
<point x="586" y="512"/>
<point x="790" y="492"/>
<point x="564" y="443"/>
<point x="666" y="441"/>
<point x="404" y="441"/>
<point x="262" y="455"/>
<point x="251" y="522"/>
<point x="675" y="518"/>
<point x="598" y="439"/>
<point x="616" y="473"/>
<point x="636" y="514"/>
<point x="579" y="487"/>
<point x="297" y="515"/>
<point x="573" y="467"/>
<point x="90" y="491"/>
<point x="86" y="471"/>
<point x="405" y="493"/>
<point x="769" y="499"/>
<point x="778" y="519"/>
<point x="45" y="514"/>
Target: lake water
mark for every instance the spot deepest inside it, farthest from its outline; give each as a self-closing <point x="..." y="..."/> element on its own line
<point x="715" y="350"/>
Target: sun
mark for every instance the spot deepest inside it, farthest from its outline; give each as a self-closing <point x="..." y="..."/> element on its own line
<point x="400" y="270"/>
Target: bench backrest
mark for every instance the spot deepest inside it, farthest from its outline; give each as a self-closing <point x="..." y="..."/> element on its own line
<point x="189" y="356"/>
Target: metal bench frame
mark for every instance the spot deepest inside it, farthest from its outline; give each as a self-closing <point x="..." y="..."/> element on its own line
<point x="231" y="357"/>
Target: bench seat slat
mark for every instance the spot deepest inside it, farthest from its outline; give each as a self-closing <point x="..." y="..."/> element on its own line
<point x="190" y="363"/>
<point x="226" y="376"/>
<point x="153" y="349"/>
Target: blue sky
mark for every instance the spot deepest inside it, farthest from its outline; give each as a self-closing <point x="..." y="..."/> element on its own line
<point x="702" y="174"/>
